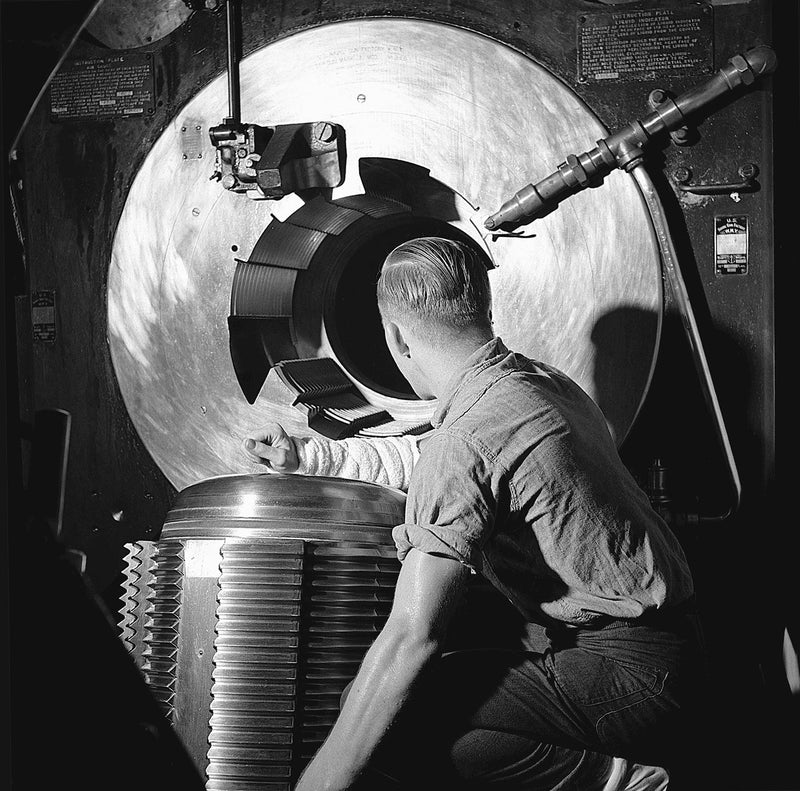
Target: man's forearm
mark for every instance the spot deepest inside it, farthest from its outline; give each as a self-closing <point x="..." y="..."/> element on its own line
<point x="385" y="460"/>
<point x="384" y="681"/>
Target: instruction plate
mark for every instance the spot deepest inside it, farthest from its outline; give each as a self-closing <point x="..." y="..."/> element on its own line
<point x="731" y="245"/>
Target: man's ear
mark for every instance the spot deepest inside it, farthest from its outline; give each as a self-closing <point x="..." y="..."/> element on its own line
<point x="395" y="339"/>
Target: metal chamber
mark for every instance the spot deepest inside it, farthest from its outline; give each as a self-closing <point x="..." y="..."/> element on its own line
<point x="252" y="612"/>
<point x="430" y="150"/>
<point x="141" y="354"/>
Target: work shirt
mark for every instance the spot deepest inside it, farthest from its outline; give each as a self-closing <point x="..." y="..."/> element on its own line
<point x="522" y="482"/>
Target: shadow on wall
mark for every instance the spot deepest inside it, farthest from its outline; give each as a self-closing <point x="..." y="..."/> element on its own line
<point x="742" y="567"/>
<point x="624" y="334"/>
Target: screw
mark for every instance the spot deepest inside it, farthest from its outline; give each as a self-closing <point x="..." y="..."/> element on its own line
<point x="680" y="136"/>
<point x="324" y="131"/>
<point x="748" y="171"/>
<point x="681" y="175"/>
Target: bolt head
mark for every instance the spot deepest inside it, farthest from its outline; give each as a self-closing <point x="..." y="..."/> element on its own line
<point x="748" y="171"/>
<point x="323" y="131"/>
<point x="681" y="175"/>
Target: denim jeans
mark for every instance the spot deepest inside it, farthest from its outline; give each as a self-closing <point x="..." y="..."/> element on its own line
<point x="502" y="718"/>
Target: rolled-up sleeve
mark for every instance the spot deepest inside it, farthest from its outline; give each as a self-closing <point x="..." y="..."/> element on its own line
<point x="452" y="501"/>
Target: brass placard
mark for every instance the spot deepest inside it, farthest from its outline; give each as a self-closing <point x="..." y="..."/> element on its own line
<point x="643" y="44"/>
<point x="113" y="86"/>
<point x="731" y="245"/>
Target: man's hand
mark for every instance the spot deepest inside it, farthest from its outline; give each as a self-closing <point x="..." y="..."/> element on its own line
<point x="273" y="447"/>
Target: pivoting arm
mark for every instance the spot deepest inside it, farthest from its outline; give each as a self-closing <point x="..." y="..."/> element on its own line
<point x="270" y="161"/>
<point x="624" y="149"/>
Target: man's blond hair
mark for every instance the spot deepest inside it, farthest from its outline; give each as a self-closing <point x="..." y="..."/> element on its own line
<point x="435" y="282"/>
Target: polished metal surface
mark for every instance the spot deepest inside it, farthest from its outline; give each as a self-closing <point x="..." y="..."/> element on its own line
<point x="582" y="291"/>
<point x="252" y="612"/>
<point x="284" y="506"/>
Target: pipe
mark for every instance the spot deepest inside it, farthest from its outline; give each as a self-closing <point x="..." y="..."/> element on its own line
<point x="678" y="287"/>
<point x="623" y="149"/>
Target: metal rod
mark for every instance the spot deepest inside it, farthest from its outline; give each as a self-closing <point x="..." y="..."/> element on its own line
<point x="232" y="24"/>
<point x="681" y="295"/>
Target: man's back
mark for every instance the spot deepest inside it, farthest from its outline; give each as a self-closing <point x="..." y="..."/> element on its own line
<point x="547" y="511"/>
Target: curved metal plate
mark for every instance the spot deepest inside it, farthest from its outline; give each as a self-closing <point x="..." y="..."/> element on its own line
<point x="583" y="292"/>
<point x="125" y="24"/>
<point x="295" y="501"/>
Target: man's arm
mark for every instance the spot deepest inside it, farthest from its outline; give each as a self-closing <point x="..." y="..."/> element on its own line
<point x="385" y="460"/>
<point x="428" y="590"/>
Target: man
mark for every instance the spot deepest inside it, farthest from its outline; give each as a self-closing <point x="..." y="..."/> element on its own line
<point x="519" y="482"/>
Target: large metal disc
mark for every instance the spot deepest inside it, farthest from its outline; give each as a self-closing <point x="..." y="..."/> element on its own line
<point x="582" y="291"/>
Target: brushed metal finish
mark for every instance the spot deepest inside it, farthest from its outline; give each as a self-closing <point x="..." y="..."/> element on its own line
<point x="583" y="292"/>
